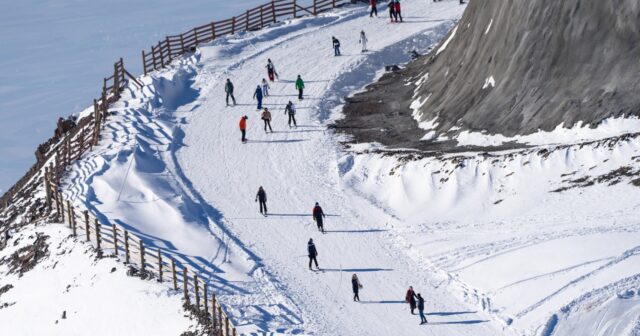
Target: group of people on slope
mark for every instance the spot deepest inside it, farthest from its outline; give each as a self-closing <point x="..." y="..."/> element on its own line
<point x="262" y="91"/>
<point x="394" y="9"/>
<point x="362" y="41"/>
<point x="414" y="300"/>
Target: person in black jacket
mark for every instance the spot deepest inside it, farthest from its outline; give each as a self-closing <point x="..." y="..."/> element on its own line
<point x="355" y="285"/>
<point x="313" y="253"/>
<point x="423" y="319"/>
<point x="318" y="215"/>
<point x="228" y="88"/>
<point x="336" y="46"/>
<point x="262" y="197"/>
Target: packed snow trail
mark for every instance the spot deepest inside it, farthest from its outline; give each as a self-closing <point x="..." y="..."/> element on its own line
<point x="298" y="167"/>
<point x="171" y="167"/>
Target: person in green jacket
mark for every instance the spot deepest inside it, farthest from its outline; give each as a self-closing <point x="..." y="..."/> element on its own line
<point x="299" y="87"/>
<point x="228" y="88"/>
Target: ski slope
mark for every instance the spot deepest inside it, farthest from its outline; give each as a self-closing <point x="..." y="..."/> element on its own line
<point x="482" y="238"/>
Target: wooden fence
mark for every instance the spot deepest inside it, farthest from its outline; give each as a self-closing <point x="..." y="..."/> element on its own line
<point x="259" y="17"/>
<point x="72" y="145"/>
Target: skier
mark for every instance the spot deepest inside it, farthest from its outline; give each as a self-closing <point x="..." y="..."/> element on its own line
<point x="398" y="13"/>
<point x="243" y="128"/>
<point x="374" y="9"/>
<point x="392" y="10"/>
<point x="271" y="70"/>
<point x="299" y="87"/>
<point x="363" y="40"/>
<point x="313" y="253"/>
<point x="265" y="87"/>
<point x="262" y="197"/>
<point x="228" y="88"/>
<point x="266" y="116"/>
<point x="423" y="319"/>
<point x="336" y="46"/>
<point x="258" y="96"/>
<point x="290" y="109"/>
<point x="355" y="285"/>
<point x="411" y="299"/>
<point x="318" y="215"/>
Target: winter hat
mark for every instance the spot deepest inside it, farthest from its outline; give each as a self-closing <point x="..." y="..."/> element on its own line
<point x="317" y="203"/>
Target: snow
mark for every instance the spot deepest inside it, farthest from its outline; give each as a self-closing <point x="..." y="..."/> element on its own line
<point x="56" y="53"/>
<point x="95" y="299"/>
<point x="488" y="27"/>
<point x="482" y="237"/>
<point x="609" y="127"/>
<point x="446" y="43"/>
<point x="489" y="82"/>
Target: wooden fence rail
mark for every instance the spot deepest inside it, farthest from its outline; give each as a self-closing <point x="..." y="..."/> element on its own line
<point x="70" y="147"/>
<point x="256" y="18"/>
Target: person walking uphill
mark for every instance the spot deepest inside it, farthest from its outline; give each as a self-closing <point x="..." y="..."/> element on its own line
<point x="313" y="253"/>
<point x="228" y="89"/>
<point x="398" y="13"/>
<point x="299" y="87"/>
<point x="423" y="319"/>
<point x="336" y="46"/>
<point x="261" y="196"/>
<point x="363" y="40"/>
<point x="258" y="96"/>
<point x="410" y="298"/>
<point x="243" y="128"/>
<point x="271" y="70"/>
<point x="290" y="109"/>
<point x="392" y="10"/>
<point x="266" y="116"/>
<point x="356" y="286"/>
<point x="318" y="215"/>
<point x="374" y="9"/>
<point x="265" y="88"/>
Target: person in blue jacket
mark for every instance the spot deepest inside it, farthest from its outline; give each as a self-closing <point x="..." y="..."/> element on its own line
<point x="258" y="96"/>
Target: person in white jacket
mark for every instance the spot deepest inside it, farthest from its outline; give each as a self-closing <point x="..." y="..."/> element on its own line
<point x="363" y="41"/>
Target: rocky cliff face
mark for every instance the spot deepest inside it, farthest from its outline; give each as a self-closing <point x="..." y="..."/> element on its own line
<point x="513" y="67"/>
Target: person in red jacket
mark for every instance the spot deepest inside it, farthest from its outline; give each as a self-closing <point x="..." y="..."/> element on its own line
<point x="397" y="10"/>
<point x="243" y="128"/>
<point x="318" y="215"/>
<point x="374" y="9"/>
<point x="410" y="298"/>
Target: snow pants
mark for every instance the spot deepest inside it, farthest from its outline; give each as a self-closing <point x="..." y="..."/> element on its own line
<point x="271" y="75"/>
<point x="229" y="94"/>
<point x="263" y="207"/>
<point x="300" y="94"/>
<point x="374" y="10"/>
<point x="259" y="103"/>
<point x="292" y="117"/>
<point x="267" y="122"/>
<point x="336" y="50"/>
<point x="319" y="223"/>
<point x="422" y="318"/>
<point x="244" y="133"/>
<point x="313" y="258"/>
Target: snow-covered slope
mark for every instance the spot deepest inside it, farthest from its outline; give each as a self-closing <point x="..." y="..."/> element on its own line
<point x="482" y="237"/>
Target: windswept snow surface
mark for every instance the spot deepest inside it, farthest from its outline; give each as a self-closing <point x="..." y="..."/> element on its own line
<point x="172" y="168"/>
<point x="95" y="295"/>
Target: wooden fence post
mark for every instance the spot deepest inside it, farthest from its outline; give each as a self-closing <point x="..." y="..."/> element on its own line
<point x="116" y="82"/>
<point x="58" y="207"/>
<point x="314" y="8"/>
<point x="295" y="9"/>
<point x="182" y="42"/>
<point x="233" y="25"/>
<point x="226" y="325"/>
<point x="98" y="239"/>
<point x="86" y="225"/>
<point x="185" y="282"/>
<point x="141" y="256"/>
<point x="73" y="221"/>
<point x="173" y="272"/>
<point x="261" y="16"/>
<point x="247" y="24"/>
<point x="214" y="320"/>
<point x="69" y="213"/>
<point x="67" y="148"/>
<point x="114" y="230"/>
<point x="144" y="63"/>
<point x="213" y="30"/>
<point x="273" y="11"/>
<point x="47" y="187"/>
<point x="205" y="297"/>
<point x="168" y="48"/>
<point x="220" y="322"/>
<point x="96" y="123"/>
<point x="333" y="3"/>
<point x="197" y="288"/>
<point x="126" y="246"/>
<point x="153" y="57"/>
<point x="161" y="54"/>
<point x="159" y="265"/>
<point x="62" y="207"/>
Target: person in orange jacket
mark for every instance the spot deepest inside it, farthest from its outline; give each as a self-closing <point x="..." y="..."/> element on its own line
<point x="243" y="127"/>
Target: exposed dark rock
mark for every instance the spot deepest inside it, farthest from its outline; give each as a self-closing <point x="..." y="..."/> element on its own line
<point x="27" y="257"/>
